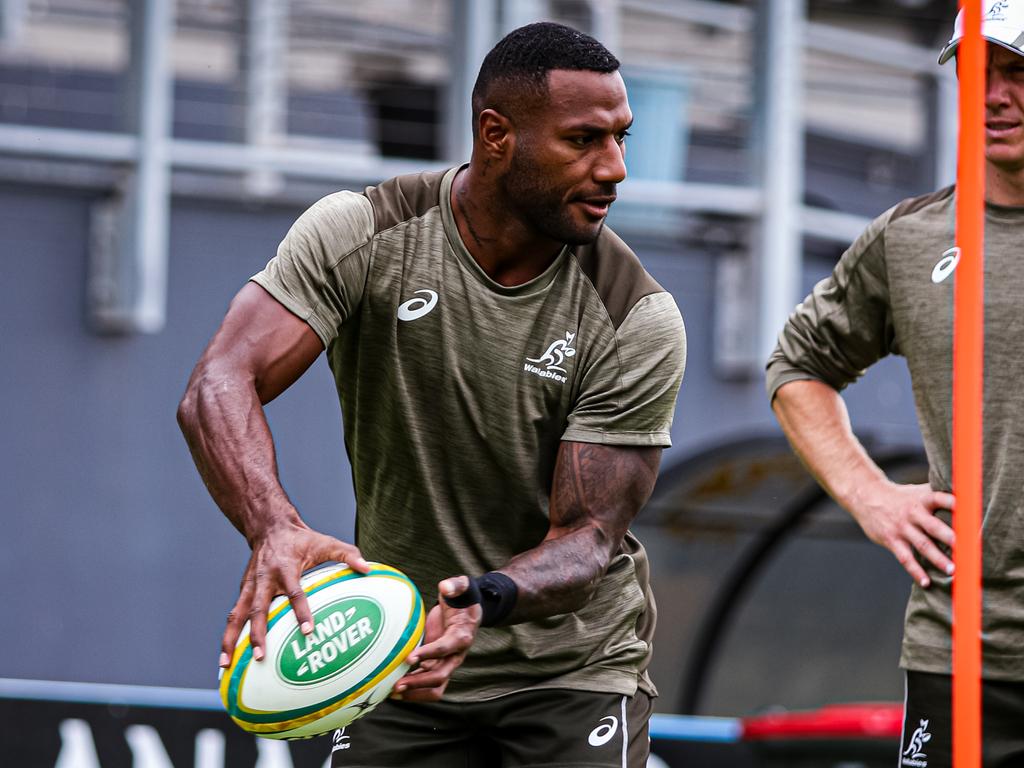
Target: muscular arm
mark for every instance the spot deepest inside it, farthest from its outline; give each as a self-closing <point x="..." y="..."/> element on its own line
<point x="899" y="517"/>
<point x="597" y="492"/>
<point x="258" y="352"/>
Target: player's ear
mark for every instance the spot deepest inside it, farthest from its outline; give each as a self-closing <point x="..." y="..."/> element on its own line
<point x="495" y="133"/>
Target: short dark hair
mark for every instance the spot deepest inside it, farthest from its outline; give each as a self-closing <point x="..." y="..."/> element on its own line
<point x="517" y="67"/>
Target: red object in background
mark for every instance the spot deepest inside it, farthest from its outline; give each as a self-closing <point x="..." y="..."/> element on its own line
<point x="839" y="721"/>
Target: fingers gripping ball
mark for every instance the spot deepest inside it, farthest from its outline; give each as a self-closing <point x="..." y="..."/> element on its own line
<point x="364" y="628"/>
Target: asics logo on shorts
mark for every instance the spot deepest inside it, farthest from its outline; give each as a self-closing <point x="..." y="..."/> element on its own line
<point x="415" y="308"/>
<point x="946" y="266"/>
<point x="604" y="732"/>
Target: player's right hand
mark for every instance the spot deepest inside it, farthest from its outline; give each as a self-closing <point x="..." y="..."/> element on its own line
<point x="279" y="557"/>
<point x="447" y="635"/>
<point x="902" y="519"/>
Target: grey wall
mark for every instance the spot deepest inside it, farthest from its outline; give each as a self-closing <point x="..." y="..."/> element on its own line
<point x="116" y="565"/>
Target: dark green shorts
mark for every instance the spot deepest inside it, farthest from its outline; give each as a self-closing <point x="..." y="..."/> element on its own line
<point x="535" y="728"/>
<point x="928" y="723"/>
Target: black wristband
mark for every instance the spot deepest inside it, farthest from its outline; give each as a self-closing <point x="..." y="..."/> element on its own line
<point x="495" y="592"/>
<point x="498" y="594"/>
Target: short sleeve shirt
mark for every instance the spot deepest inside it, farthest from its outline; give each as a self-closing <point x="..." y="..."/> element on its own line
<point x="456" y="392"/>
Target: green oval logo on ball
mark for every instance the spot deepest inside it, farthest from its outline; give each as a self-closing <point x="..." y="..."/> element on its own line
<point x="343" y="631"/>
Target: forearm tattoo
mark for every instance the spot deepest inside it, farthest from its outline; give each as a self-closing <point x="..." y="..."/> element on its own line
<point x="596" y="493"/>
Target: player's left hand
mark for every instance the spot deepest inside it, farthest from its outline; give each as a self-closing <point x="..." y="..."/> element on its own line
<point x="447" y="636"/>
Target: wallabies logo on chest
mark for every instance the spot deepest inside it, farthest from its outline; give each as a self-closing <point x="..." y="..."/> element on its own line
<point x="553" y="359"/>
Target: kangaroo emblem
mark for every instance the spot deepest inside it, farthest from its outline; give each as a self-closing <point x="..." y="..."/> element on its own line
<point x="340" y="741"/>
<point x="997" y="10"/>
<point x="917" y="741"/>
<point x="556" y="353"/>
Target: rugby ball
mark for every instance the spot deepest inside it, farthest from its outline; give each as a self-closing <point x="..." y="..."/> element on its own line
<point x="365" y="625"/>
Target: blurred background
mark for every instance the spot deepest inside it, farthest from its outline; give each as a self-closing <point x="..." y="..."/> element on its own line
<point x="153" y="154"/>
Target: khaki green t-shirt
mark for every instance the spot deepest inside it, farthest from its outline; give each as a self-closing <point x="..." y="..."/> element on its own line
<point x="892" y="292"/>
<point x="456" y="392"/>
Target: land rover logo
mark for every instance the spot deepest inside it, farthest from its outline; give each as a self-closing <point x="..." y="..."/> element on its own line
<point x="343" y="632"/>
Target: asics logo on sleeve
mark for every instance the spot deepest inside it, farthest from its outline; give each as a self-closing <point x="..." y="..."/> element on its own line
<point x="946" y="266"/>
<point x="415" y="308"/>
<point x="604" y="732"/>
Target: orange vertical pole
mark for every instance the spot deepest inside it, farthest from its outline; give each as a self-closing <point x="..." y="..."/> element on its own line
<point x="968" y="361"/>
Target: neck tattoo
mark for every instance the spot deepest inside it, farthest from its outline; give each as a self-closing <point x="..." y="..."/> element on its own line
<point x="460" y="203"/>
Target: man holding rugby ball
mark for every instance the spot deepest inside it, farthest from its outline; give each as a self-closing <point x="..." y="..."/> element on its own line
<point x="507" y="373"/>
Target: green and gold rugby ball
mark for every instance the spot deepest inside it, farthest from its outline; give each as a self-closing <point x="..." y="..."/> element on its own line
<point x="365" y="625"/>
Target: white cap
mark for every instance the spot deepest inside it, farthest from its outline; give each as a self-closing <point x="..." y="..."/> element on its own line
<point x="1003" y="24"/>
